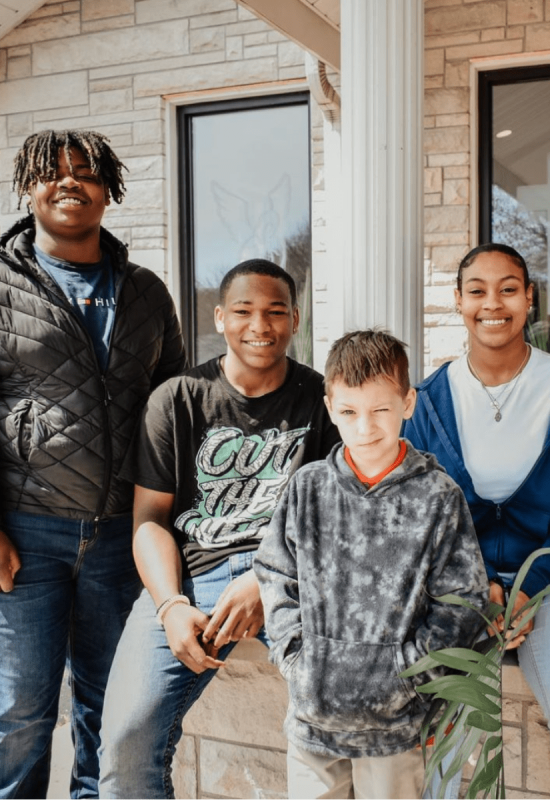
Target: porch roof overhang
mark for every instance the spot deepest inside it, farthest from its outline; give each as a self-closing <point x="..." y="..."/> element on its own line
<point x="313" y="24"/>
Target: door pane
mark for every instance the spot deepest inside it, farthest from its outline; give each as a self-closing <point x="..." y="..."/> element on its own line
<point x="521" y="187"/>
<point x="250" y="199"/>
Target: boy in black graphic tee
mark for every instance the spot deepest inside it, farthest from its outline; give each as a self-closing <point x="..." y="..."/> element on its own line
<point x="217" y="448"/>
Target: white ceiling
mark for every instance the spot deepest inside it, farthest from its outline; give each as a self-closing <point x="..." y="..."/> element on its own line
<point x="13" y="12"/>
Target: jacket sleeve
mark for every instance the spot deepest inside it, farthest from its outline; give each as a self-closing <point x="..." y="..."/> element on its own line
<point x="414" y="429"/>
<point x="173" y="359"/>
<point x="457" y="567"/>
<point x="276" y="568"/>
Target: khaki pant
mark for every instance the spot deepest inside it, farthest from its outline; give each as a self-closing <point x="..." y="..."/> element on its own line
<point x="393" y="777"/>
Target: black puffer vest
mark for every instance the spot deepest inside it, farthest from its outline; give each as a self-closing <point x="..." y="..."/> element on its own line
<point x="65" y="427"/>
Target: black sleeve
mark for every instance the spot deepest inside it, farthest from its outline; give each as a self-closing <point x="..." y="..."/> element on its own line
<point x="173" y="359"/>
<point x="152" y="459"/>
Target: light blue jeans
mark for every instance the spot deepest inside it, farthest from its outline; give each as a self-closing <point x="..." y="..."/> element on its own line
<point x="74" y="590"/>
<point x="150" y="691"/>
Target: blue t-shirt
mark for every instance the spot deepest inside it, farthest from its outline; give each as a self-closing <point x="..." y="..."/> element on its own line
<point x="90" y="288"/>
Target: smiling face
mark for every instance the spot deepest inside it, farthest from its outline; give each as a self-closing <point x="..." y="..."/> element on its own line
<point x="369" y="419"/>
<point x="70" y="206"/>
<point x="257" y="320"/>
<point x="494" y="301"/>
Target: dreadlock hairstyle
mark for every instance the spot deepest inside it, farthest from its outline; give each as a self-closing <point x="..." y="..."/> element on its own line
<point x="37" y="159"/>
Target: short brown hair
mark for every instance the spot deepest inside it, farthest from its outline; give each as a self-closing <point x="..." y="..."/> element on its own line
<point x="365" y="355"/>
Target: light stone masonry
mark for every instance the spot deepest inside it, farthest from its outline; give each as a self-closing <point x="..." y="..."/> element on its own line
<point x="452" y="39"/>
<point x="206" y="39"/>
<point x="434" y="62"/>
<point x="448" y="237"/>
<point x="151" y="11"/>
<point x="98" y="9"/>
<point x="108" y="24"/>
<point x="520" y="12"/>
<point x="111" y="102"/>
<point x="440" y="140"/>
<point x="209" y="20"/>
<point x="493" y="34"/>
<point x="234" y="47"/>
<point x="19" y="68"/>
<point x="484" y="49"/>
<point x="43" y="92"/>
<point x="488" y="14"/>
<point x="49" y="28"/>
<point x="96" y="50"/>
<point x="48" y="10"/>
<point x="456" y="192"/>
<point x="451" y="120"/>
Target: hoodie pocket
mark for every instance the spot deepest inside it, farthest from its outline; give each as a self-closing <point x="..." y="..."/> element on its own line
<point x="349" y="686"/>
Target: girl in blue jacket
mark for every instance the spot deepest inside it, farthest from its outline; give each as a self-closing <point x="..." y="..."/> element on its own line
<point x="486" y="416"/>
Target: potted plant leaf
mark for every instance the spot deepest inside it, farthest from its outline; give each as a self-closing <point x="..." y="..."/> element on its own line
<point x="466" y="712"/>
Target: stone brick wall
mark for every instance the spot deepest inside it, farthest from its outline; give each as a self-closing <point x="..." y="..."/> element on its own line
<point x="107" y="65"/>
<point x="233" y="743"/>
<point x="457" y="31"/>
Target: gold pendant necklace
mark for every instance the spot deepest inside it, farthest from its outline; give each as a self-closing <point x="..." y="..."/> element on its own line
<point x="497" y="407"/>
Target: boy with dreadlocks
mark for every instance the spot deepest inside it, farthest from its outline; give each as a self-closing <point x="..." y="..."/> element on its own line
<point x="84" y="337"/>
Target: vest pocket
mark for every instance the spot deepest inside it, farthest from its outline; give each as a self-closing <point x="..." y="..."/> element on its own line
<point x="19" y="427"/>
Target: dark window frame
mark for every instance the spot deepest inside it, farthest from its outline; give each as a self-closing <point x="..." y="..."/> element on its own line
<point x="184" y="121"/>
<point x="486" y="80"/>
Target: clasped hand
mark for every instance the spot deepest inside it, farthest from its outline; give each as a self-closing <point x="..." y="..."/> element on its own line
<point x="195" y="638"/>
<point x="497" y="596"/>
<point x="9" y="563"/>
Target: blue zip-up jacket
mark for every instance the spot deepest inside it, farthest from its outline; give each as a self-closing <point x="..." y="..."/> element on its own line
<point x="509" y="531"/>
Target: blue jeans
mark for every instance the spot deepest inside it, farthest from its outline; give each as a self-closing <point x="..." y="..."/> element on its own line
<point x="150" y="691"/>
<point x="74" y="590"/>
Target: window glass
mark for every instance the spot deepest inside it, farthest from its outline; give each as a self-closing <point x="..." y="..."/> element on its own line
<point x="249" y="187"/>
<point x="520" y="185"/>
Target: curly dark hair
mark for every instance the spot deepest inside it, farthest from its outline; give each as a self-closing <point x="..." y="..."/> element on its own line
<point x="257" y="266"/>
<point x="38" y="156"/>
<point x="493" y="247"/>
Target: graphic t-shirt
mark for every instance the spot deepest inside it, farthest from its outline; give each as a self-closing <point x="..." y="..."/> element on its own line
<point x="227" y="457"/>
<point x="90" y="289"/>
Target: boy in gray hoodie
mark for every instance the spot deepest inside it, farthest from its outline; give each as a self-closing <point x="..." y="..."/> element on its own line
<point x="357" y="550"/>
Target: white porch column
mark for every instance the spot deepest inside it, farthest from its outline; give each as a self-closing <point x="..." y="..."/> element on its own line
<point x="382" y="165"/>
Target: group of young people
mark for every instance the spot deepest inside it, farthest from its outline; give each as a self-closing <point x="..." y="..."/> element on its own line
<point x="154" y="515"/>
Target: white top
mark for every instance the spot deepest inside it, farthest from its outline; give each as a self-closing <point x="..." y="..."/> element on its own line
<point x="500" y="455"/>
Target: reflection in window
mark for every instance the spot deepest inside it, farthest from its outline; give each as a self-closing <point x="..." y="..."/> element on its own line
<point x="247" y="195"/>
<point x="519" y="130"/>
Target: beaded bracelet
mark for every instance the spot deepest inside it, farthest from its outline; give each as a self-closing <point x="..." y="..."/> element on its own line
<point x="167" y="605"/>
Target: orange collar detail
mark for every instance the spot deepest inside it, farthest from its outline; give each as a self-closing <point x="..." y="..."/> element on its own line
<point x="377" y="478"/>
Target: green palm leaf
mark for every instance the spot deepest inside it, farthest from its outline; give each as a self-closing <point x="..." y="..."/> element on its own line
<point x="470" y="697"/>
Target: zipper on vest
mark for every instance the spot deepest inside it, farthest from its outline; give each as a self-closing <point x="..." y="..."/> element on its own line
<point x="498" y="510"/>
<point x="106" y="396"/>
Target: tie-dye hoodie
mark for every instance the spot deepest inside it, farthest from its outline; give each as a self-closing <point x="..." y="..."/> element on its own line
<point x="348" y="576"/>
